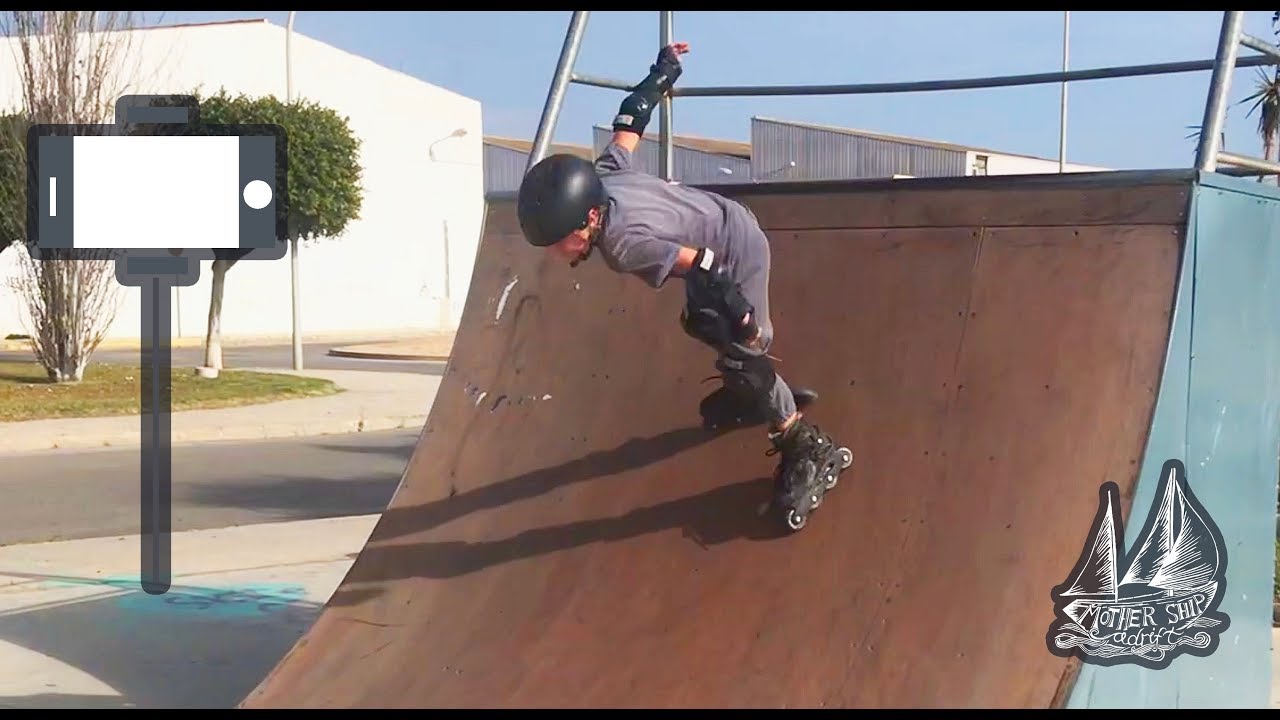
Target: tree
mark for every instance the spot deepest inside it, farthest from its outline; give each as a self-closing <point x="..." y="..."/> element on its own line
<point x="323" y="181"/>
<point x="1266" y="101"/>
<point x="13" y="179"/>
<point x="70" y="71"/>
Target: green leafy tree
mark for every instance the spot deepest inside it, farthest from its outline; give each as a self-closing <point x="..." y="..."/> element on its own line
<point x="324" y="176"/>
<point x="13" y="179"/>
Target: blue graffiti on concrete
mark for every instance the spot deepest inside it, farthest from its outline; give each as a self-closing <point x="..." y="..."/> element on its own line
<point x="241" y="599"/>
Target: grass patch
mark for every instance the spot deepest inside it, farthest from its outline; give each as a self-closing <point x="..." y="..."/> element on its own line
<point x="109" y="389"/>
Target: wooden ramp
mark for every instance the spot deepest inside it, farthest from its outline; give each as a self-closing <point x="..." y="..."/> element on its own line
<point x="565" y="535"/>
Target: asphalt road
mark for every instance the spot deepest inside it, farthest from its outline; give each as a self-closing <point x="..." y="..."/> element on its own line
<point x="314" y="357"/>
<point x="65" y="496"/>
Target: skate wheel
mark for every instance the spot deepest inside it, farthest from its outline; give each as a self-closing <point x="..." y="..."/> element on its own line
<point x="795" y="520"/>
<point x="846" y="457"/>
<point x="833" y="479"/>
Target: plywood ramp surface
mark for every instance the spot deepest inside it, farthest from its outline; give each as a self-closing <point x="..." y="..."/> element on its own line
<point x="566" y="535"/>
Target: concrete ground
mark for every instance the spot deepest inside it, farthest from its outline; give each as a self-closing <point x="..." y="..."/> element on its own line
<point x="77" y="631"/>
<point x="51" y="496"/>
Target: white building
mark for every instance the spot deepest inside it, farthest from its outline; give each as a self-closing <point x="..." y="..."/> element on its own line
<point x="404" y="265"/>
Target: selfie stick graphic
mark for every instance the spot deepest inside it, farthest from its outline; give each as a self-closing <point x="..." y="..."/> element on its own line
<point x="160" y="192"/>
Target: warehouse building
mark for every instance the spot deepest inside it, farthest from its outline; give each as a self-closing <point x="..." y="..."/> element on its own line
<point x="697" y="161"/>
<point x="404" y="265"/>
<point x="788" y="151"/>
<point x="505" y="160"/>
<point x="782" y="150"/>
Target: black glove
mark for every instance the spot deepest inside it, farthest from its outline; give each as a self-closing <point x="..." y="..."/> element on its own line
<point x="637" y="108"/>
<point x="666" y="66"/>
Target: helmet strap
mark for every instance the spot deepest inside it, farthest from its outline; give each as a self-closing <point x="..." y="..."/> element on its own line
<point x="591" y="237"/>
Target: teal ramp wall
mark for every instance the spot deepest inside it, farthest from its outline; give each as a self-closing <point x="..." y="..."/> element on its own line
<point x="1219" y="412"/>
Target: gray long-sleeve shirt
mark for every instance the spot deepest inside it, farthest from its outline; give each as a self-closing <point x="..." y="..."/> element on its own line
<point x="650" y="218"/>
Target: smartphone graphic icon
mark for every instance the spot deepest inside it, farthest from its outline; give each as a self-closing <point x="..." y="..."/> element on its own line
<point x="193" y="187"/>
<point x="160" y="191"/>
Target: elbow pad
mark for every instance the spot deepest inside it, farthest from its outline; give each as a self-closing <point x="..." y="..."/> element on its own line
<point x="637" y="108"/>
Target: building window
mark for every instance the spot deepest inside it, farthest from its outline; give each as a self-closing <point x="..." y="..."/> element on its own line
<point x="980" y="165"/>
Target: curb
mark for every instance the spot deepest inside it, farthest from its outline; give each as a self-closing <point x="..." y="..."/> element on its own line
<point x="22" y="443"/>
<point x="375" y="355"/>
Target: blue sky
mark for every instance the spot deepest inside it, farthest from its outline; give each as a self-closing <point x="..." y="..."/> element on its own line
<point x="505" y="60"/>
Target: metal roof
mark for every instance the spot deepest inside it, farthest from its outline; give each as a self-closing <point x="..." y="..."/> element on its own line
<point x="898" y="138"/>
<point x="688" y="142"/>
<point x="245" y="21"/>
<point x="526" y="146"/>
<point x="731" y="148"/>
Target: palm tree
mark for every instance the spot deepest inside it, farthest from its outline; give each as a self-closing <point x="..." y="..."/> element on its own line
<point x="1195" y="135"/>
<point x="1266" y="100"/>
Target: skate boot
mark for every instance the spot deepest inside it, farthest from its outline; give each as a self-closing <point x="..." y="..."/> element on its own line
<point x="810" y="466"/>
<point x="729" y="407"/>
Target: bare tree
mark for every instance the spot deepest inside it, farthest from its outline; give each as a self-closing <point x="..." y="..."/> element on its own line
<point x="71" y="70"/>
<point x="70" y="304"/>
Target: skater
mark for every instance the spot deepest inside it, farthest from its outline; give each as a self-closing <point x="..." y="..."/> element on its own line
<point x="653" y="229"/>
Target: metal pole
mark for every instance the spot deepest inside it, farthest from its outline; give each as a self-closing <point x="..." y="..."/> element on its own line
<point x="1261" y="46"/>
<point x="1258" y="165"/>
<point x="294" y="268"/>
<point x="666" y="153"/>
<point x="1062" y="121"/>
<point x="448" y="281"/>
<point x="559" y="85"/>
<point x="1106" y="73"/>
<point x="1215" y="110"/>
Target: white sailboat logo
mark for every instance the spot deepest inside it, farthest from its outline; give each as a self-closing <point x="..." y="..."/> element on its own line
<point x="1167" y="596"/>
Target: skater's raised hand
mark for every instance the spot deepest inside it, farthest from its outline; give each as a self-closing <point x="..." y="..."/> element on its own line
<point x="672" y="52"/>
<point x="668" y="62"/>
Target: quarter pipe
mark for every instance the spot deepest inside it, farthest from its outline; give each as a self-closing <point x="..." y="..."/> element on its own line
<point x="992" y="349"/>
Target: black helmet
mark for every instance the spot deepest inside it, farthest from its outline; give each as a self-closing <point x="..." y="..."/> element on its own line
<point x="555" y="196"/>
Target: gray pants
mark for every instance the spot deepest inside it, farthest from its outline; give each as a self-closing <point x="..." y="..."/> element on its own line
<point x="780" y="403"/>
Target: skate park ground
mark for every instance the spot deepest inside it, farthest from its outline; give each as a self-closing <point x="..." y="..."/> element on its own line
<point x="568" y="589"/>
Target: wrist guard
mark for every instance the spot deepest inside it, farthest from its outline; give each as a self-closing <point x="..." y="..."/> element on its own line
<point x="637" y="108"/>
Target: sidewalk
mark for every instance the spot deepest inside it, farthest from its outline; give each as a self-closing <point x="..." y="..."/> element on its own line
<point x="346" y="337"/>
<point x="371" y="401"/>
<point x="428" y="346"/>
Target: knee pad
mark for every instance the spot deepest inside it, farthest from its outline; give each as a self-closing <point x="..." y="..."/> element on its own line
<point x="706" y="326"/>
<point x="752" y="376"/>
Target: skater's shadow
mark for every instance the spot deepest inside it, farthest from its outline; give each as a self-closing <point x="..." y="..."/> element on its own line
<point x="630" y="455"/>
<point x="724" y="513"/>
<point x="719" y="515"/>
